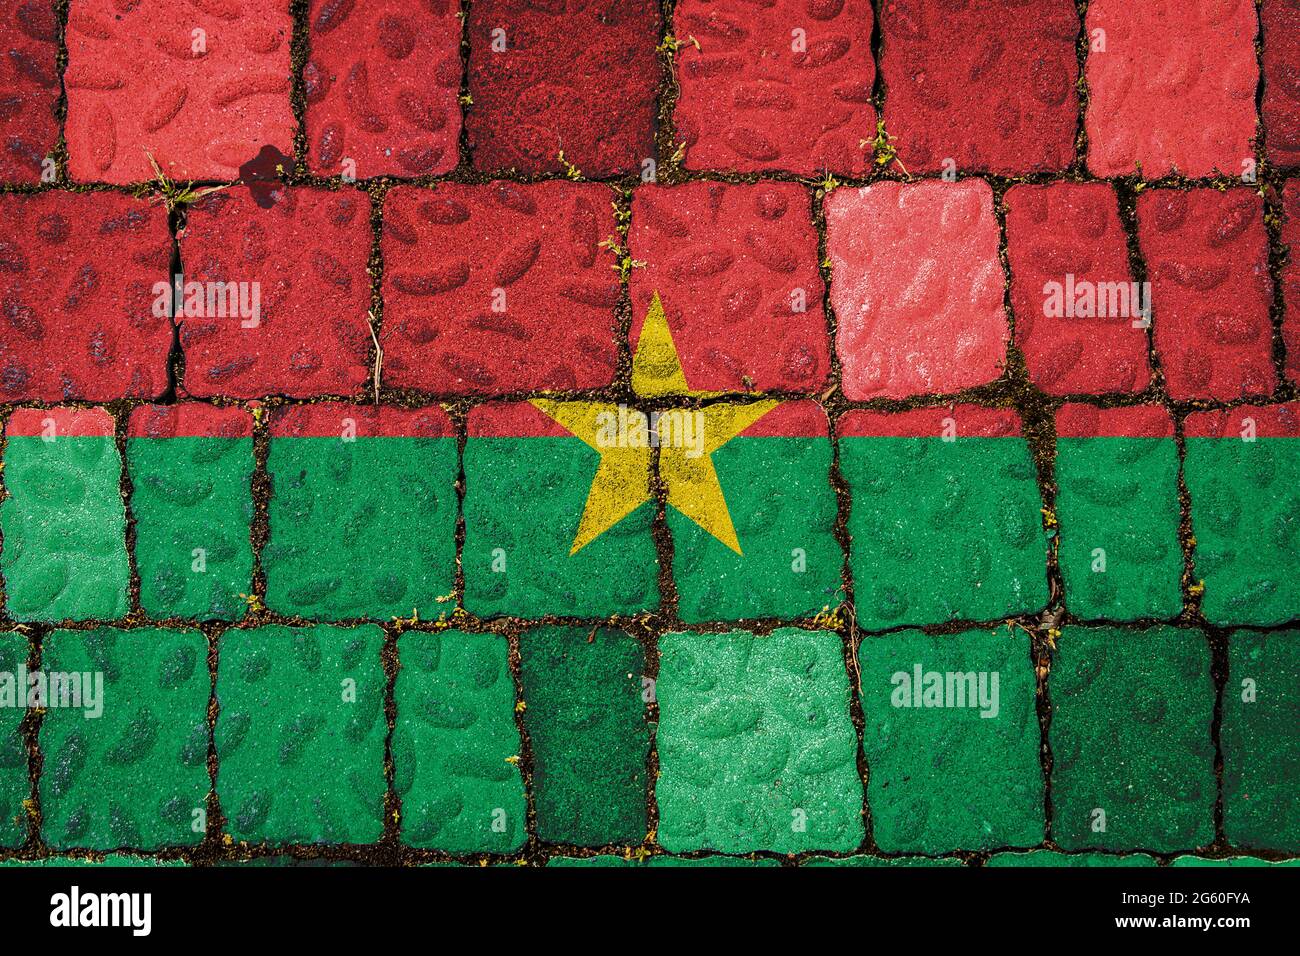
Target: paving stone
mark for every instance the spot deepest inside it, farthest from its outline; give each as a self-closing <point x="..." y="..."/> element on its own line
<point x="15" y="787"/>
<point x="129" y="766"/>
<point x="1117" y="505"/>
<point x="455" y="744"/>
<point x="1073" y="295"/>
<point x="109" y="860"/>
<point x="1053" y="859"/>
<point x="581" y="80"/>
<point x="586" y="722"/>
<point x="756" y="749"/>
<point x="308" y="254"/>
<point x="917" y="288"/>
<point x="885" y="861"/>
<point x="29" y="30"/>
<point x="981" y="87"/>
<point x="785" y="85"/>
<point x="1281" y="104"/>
<point x="1130" y="737"/>
<point x="735" y="267"/>
<point x="1291" y="278"/>
<point x="77" y="275"/>
<point x="63" y="524"/>
<point x="942" y="529"/>
<point x="300" y="735"/>
<point x="382" y="86"/>
<point x="661" y="860"/>
<point x="1157" y="103"/>
<point x="1244" y="503"/>
<point x="141" y="81"/>
<point x="191" y="469"/>
<point x="1230" y="861"/>
<point x="1261" y="754"/>
<point x="526" y="483"/>
<point x="1207" y="260"/>
<point x="363" y="511"/>
<point x="499" y="287"/>
<point x="951" y="741"/>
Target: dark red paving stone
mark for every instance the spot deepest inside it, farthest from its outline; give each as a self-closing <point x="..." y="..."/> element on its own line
<point x="582" y="80"/>
<point x="756" y="96"/>
<point x="382" y="87"/>
<point x="990" y="86"/>
<point x="309" y="254"/>
<point x="29" y="87"/>
<point x="729" y="262"/>
<point x="455" y="254"/>
<point x="1175" y="89"/>
<point x="77" y="273"/>
<point x="1281" y="106"/>
<point x="1207" y="260"/>
<point x="135" y="83"/>
<point x="1070" y="234"/>
<point x="1291" y="278"/>
<point x="917" y="287"/>
<point x="189" y="420"/>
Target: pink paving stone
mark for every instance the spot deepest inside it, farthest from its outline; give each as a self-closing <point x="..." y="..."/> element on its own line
<point x="758" y="94"/>
<point x="1175" y="89"/>
<point x="1291" y="278"/>
<point x="77" y="277"/>
<point x="308" y="253"/>
<point x="499" y="287"/>
<point x="139" y="78"/>
<point x="382" y="87"/>
<point x="917" y="288"/>
<point x="1207" y="259"/>
<point x="1281" y="107"/>
<point x="1073" y="295"/>
<point x="735" y="267"/>
<point x="29" y="87"/>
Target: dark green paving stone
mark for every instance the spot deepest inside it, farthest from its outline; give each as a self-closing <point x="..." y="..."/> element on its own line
<point x="300" y="736"/>
<point x="63" y="523"/>
<point x="1117" y="506"/>
<point x="136" y="776"/>
<point x="1054" y="859"/>
<point x="191" y="468"/>
<point x="1261" y="749"/>
<point x="756" y="748"/>
<point x="1230" y="861"/>
<point x="725" y="862"/>
<point x="953" y="755"/>
<point x="1245" y="507"/>
<point x="111" y="860"/>
<point x="775" y="477"/>
<point x="363" y="511"/>
<point x="456" y="744"/>
<point x="1130" y="737"/>
<point x="586" y="721"/>
<point x="942" y="530"/>
<point x="887" y="861"/>
<point x="15" y="787"/>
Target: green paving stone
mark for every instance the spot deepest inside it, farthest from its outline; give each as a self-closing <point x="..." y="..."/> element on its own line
<point x="1130" y="736"/>
<point x="727" y="862"/>
<point x="942" y="775"/>
<point x="300" y="736"/>
<point x="887" y="861"/>
<point x="1230" y="861"/>
<point x="1054" y="859"/>
<point x="111" y="860"/>
<point x="586" y="721"/>
<point x="134" y="776"/>
<point x="15" y="787"/>
<point x="756" y="748"/>
<point x="1261" y="749"/>
<point x="455" y="739"/>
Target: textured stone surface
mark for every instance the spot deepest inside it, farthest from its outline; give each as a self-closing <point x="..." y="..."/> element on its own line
<point x="29" y="32"/>
<point x="1229" y="861"/>
<point x="1130" y="736"/>
<point x="1053" y="859"/>
<point x="300" y="736"/>
<point x="1281" y="105"/>
<point x="917" y="287"/>
<point x="863" y="859"/>
<point x="1291" y="278"/>
<point x="756" y="749"/>
<point x="132" y="776"/>
<point x="783" y="85"/>
<point x="15" y="787"/>
<point x="455" y="734"/>
<point x="498" y="287"/>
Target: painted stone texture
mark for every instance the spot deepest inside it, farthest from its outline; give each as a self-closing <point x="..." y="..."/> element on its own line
<point x="29" y="31"/>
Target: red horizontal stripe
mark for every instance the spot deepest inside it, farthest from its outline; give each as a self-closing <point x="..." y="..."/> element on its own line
<point x="1271" y="421"/>
<point x="189" y="420"/>
<point x="1138" y="421"/>
<point x="68" y="422"/>
<point x="971" y="421"/>
<point x="330" y="420"/>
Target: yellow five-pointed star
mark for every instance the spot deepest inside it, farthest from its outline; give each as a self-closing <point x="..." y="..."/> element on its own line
<point x="623" y="437"/>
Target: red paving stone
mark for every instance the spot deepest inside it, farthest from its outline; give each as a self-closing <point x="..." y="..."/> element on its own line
<point x="989" y="84"/>
<point x="1175" y="89"/>
<point x="499" y="287"/>
<point x="1070" y="234"/>
<point x="757" y="94"/>
<point x="29" y="87"/>
<point x="1207" y="260"/>
<point x="961" y="421"/>
<point x="77" y="276"/>
<point x="1134" y="421"/>
<point x="331" y="419"/>
<point x="732" y="264"/>
<point x="1281" y="108"/>
<point x="382" y="88"/>
<point x="189" y="420"/>
<point x="1291" y="278"/>
<point x="581" y="80"/>
<point x="135" y="83"/>
<point x="308" y="253"/>
<point x="917" y="288"/>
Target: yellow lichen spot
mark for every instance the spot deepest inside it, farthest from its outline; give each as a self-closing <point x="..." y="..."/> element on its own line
<point x="513" y="760"/>
<point x="521" y="706"/>
<point x="1197" y="588"/>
